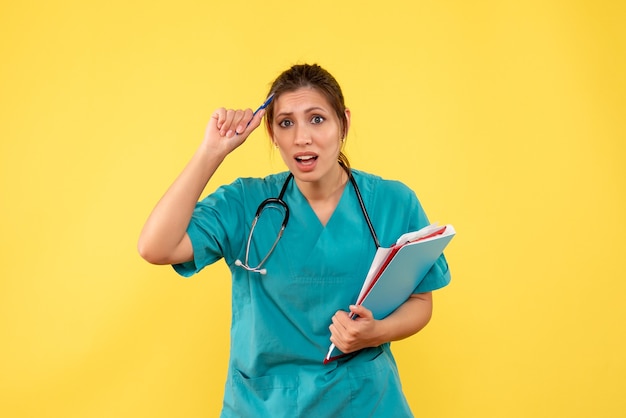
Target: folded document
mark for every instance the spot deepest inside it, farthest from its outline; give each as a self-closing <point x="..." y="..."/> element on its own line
<point x="396" y="271"/>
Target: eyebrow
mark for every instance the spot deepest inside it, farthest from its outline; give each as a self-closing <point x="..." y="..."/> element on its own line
<point x="309" y="110"/>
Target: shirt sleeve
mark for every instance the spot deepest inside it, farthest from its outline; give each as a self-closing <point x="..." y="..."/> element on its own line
<point x="437" y="277"/>
<point x="439" y="274"/>
<point x="213" y="225"/>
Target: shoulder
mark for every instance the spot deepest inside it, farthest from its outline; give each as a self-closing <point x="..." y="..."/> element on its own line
<point x="243" y="186"/>
<point x="393" y="207"/>
<point x="267" y="183"/>
<point x="243" y="192"/>
<point x="382" y="187"/>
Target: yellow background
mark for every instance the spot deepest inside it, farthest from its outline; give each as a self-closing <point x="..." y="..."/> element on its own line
<point x="506" y="117"/>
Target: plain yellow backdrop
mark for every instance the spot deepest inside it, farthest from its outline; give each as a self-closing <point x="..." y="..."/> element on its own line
<point x="506" y="117"/>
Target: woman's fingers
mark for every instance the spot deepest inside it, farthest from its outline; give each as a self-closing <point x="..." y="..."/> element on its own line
<point x="253" y="121"/>
<point x="354" y="330"/>
<point x="232" y="121"/>
<point x="229" y="128"/>
<point x="242" y="120"/>
<point x="217" y="118"/>
<point x="226" y="129"/>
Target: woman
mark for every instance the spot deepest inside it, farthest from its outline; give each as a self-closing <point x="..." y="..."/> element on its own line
<point x="288" y="300"/>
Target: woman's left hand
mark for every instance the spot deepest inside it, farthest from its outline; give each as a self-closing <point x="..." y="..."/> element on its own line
<point x="351" y="335"/>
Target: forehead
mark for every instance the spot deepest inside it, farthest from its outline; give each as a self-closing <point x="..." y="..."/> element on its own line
<point x="301" y="99"/>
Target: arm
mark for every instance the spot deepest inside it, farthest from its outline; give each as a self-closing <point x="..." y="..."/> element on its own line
<point x="352" y="335"/>
<point x="164" y="238"/>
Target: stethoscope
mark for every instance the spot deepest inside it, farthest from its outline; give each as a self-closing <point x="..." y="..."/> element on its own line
<point x="273" y="201"/>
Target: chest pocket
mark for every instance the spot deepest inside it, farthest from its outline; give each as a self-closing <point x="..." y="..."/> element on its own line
<point x="336" y="256"/>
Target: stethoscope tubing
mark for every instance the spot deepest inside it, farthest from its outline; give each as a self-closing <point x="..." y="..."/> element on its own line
<point x="279" y="201"/>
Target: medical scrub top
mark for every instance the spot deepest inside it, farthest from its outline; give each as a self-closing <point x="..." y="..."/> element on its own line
<point x="279" y="328"/>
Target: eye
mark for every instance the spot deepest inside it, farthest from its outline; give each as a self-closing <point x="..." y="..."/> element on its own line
<point x="317" y="119"/>
<point x="285" y="123"/>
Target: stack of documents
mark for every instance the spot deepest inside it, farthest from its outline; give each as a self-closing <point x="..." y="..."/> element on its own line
<point x="396" y="272"/>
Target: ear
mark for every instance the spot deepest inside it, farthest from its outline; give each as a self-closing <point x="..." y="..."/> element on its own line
<point x="347" y="127"/>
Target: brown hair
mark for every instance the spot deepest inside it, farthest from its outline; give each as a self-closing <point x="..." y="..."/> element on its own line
<point x="315" y="77"/>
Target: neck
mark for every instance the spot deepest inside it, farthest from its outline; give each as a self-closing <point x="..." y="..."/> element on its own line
<point x="328" y="188"/>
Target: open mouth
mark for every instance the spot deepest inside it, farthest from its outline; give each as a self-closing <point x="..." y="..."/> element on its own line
<point x="306" y="159"/>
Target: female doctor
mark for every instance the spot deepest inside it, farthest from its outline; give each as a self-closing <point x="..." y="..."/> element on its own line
<point x="290" y="291"/>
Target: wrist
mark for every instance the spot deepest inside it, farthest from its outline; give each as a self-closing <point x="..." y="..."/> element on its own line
<point x="383" y="333"/>
<point x="210" y="157"/>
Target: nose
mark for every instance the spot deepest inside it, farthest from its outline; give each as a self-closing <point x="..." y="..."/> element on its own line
<point x="302" y="135"/>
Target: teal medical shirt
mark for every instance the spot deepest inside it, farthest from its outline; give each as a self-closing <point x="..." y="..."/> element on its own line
<point x="279" y="329"/>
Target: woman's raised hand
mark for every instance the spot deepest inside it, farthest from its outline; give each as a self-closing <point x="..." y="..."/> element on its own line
<point x="229" y="128"/>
